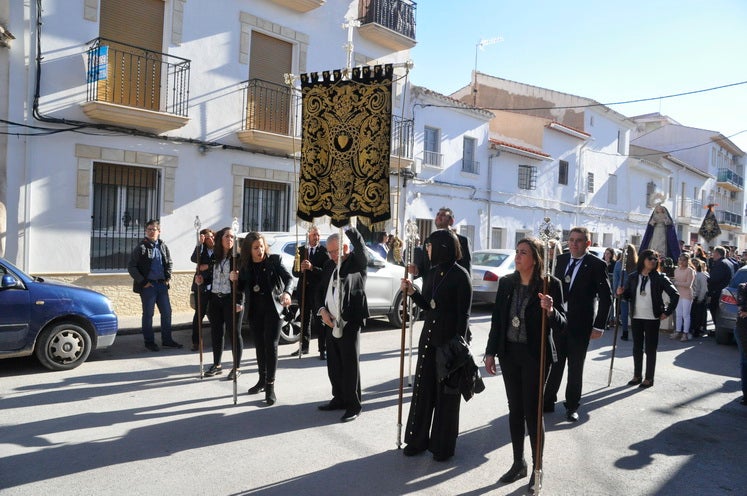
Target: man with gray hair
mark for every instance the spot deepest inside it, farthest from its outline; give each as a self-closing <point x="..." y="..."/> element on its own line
<point x="313" y="256"/>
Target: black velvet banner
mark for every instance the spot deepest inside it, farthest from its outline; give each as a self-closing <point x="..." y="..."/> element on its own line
<point x="346" y="141"/>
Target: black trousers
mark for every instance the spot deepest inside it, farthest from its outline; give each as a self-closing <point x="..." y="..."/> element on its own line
<point x="520" y="371"/>
<point x="222" y="310"/>
<point x="433" y="421"/>
<point x="571" y="347"/>
<point x="265" y="325"/>
<point x="310" y="324"/>
<point x="343" y="366"/>
<point x="698" y="317"/>
<point x="200" y="313"/>
<point x="645" y="334"/>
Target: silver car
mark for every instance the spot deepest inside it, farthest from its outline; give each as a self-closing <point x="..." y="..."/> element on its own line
<point x="487" y="267"/>
<point x="382" y="283"/>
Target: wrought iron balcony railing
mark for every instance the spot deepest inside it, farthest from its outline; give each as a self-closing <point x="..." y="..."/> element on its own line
<point x="403" y="137"/>
<point x="135" y="77"/>
<point x="272" y="108"/>
<point x="729" y="176"/>
<point x="397" y="15"/>
<point x="729" y="218"/>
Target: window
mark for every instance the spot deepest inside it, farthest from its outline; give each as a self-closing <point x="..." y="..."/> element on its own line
<point x="590" y="182"/>
<point x="612" y="189"/>
<point x="468" y="156"/>
<point x="497" y="236"/>
<point x="432" y="146"/>
<point x="265" y="207"/>
<point x="134" y="32"/>
<point x="468" y="232"/>
<point x="527" y="177"/>
<point x="268" y="97"/>
<point x="563" y="172"/>
<point x="606" y="239"/>
<point x="125" y="198"/>
<point x="519" y="235"/>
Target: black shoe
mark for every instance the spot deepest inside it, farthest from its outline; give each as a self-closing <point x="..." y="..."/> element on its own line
<point x="548" y="407"/>
<point x="295" y="353"/>
<point x="535" y="485"/>
<point x="647" y="383"/>
<point x="152" y="346"/>
<point x="635" y="381"/>
<point x="172" y="344"/>
<point x="350" y="415"/>
<point x="332" y="405"/>
<point x="517" y="471"/>
<point x="571" y="416"/>
<point x="214" y="370"/>
<point x="257" y="388"/>
<point x="411" y="450"/>
<point x="232" y="373"/>
<point x="322" y="355"/>
<point x="441" y="458"/>
<point x="270" y="398"/>
<point x="624" y="337"/>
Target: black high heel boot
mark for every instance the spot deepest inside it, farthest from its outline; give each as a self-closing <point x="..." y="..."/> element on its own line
<point x="517" y="471"/>
<point x="535" y="485"/>
<point x="259" y="387"/>
<point x="270" y="393"/>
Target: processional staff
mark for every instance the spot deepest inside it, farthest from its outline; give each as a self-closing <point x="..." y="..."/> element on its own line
<point x="411" y="233"/>
<point x="548" y="234"/>
<point x="235" y="331"/>
<point x="413" y="238"/>
<point x="617" y="312"/>
<point x="198" y="250"/>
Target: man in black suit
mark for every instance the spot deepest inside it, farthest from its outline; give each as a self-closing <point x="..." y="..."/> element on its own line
<point x="313" y="256"/>
<point x="721" y="272"/>
<point x="444" y="220"/>
<point x="345" y="314"/>
<point x="585" y="286"/>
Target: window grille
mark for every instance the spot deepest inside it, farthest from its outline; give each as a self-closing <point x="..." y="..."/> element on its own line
<point x="527" y="177"/>
<point x="265" y="207"/>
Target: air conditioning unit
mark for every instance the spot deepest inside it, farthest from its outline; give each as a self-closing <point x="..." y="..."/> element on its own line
<point x="582" y="198"/>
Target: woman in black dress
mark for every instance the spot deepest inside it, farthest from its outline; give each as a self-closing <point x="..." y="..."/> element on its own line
<point x="515" y="338"/>
<point x="266" y="284"/>
<point x="446" y="299"/>
<point x="644" y="290"/>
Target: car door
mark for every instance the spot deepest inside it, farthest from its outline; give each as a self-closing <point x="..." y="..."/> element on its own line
<point x="15" y="311"/>
<point x="381" y="284"/>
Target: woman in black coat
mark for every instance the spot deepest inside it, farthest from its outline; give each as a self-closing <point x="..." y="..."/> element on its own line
<point x="644" y="290"/>
<point x="515" y="338"/>
<point x="266" y="284"/>
<point x="446" y="299"/>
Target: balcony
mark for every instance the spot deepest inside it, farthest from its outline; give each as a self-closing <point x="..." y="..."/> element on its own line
<point x="272" y="117"/>
<point x="390" y="23"/>
<point x="730" y="180"/>
<point x="133" y="87"/>
<point x="403" y="140"/>
<point x="433" y="159"/>
<point x="729" y="220"/>
<point x="300" y="5"/>
<point x="690" y="211"/>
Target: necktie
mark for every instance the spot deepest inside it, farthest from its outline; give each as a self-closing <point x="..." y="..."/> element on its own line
<point x="311" y="252"/>
<point x="571" y="266"/>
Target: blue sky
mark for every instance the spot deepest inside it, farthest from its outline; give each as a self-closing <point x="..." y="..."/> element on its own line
<point x="605" y="51"/>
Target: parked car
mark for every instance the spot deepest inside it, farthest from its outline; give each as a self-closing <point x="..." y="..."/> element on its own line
<point x="487" y="267"/>
<point x="727" y="305"/>
<point x="58" y="322"/>
<point x="382" y="283"/>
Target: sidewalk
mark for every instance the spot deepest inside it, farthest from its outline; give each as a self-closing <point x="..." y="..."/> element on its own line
<point x="130" y="324"/>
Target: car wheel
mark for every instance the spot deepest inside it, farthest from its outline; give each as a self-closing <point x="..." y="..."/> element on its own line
<point x="724" y="336"/>
<point x="291" y="329"/>
<point x="63" y="346"/>
<point x="395" y="317"/>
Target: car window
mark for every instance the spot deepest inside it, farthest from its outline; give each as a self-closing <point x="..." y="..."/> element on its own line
<point x="739" y="278"/>
<point x="489" y="259"/>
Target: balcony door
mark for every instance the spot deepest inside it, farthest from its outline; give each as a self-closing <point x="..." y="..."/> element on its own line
<point x="269" y="98"/>
<point x="135" y="28"/>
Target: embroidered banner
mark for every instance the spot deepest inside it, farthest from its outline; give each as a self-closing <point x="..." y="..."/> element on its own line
<point x="345" y="148"/>
<point x="709" y="229"/>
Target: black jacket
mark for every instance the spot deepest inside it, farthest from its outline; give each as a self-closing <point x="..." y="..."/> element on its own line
<point x="658" y="284"/>
<point x="204" y="258"/>
<point x="353" y="272"/>
<point x="142" y="257"/>
<point x="590" y="284"/>
<point x="313" y="276"/>
<point x="533" y="316"/>
<point x="273" y="277"/>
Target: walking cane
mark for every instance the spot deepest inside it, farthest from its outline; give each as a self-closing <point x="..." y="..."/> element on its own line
<point x="618" y="303"/>
<point x="198" y="250"/>
<point x="303" y="307"/>
<point x="547" y="233"/>
<point x="235" y="229"/>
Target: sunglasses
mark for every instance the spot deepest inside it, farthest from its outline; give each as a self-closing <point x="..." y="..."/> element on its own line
<point x="652" y="259"/>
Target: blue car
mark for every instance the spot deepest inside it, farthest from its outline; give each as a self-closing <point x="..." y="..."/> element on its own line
<point x="727" y="304"/>
<point x="59" y="322"/>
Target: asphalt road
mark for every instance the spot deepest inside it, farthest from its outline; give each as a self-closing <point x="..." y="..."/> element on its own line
<point x="135" y="422"/>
